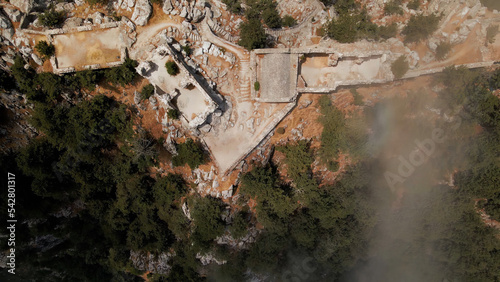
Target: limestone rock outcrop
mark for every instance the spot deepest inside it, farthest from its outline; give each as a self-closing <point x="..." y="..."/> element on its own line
<point x="142" y="12"/>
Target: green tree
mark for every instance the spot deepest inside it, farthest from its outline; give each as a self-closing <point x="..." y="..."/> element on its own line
<point x="420" y="27"/>
<point x="271" y="17"/>
<point x="51" y="18"/>
<point x="289" y="21"/>
<point x="173" y="114"/>
<point x="206" y="213"/>
<point x="442" y="50"/>
<point x="172" y="68"/>
<point x="45" y="49"/>
<point x="399" y="67"/>
<point x="190" y="153"/>
<point x="252" y="34"/>
<point x="147" y="91"/>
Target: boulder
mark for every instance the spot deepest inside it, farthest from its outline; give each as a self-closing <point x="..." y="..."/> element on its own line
<point x="167" y="7"/>
<point x="73" y="22"/>
<point x="142" y="12"/>
<point x="24" y="5"/>
<point x="205" y="128"/>
<point x="36" y="59"/>
<point x="79" y="2"/>
<point x="197" y="15"/>
<point x="98" y="17"/>
<point x="6" y="28"/>
<point x="13" y="14"/>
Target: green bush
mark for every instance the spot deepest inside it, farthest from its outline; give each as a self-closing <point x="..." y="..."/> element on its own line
<point x="271" y="17"/>
<point x="239" y="226"/>
<point x="289" y="21"/>
<point x="491" y="32"/>
<point x="256" y="86"/>
<point x="123" y="74"/>
<point x="46" y="50"/>
<point x="491" y="4"/>
<point x="349" y="27"/>
<point x="386" y="32"/>
<point x="393" y="7"/>
<point x="420" y="27"/>
<point x="442" y="50"/>
<point x="414" y="4"/>
<point x="187" y="49"/>
<point x="190" y="153"/>
<point x="147" y="91"/>
<point x="400" y="67"/>
<point x="172" y="68"/>
<point x="358" y="99"/>
<point x="233" y="6"/>
<point x="252" y="34"/>
<point x="280" y="130"/>
<point x="173" y="114"/>
<point x="51" y="18"/>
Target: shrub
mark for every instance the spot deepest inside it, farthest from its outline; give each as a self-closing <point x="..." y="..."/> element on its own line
<point x="280" y="130"/>
<point x="350" y="27"/>
<point x="358" y="99"/>
<point x="442" y="50"/>
<point x="393" y="7"/>
<point x="233" y="6"/>
<point x="289" y="21"/>
<point x="190" y="153"/>
<point x="51" y="18"/>
<point x="400" y="67"/>
<point x="271" y="17"/>
<point x="123" y="74"/>
<point x="172" y="68"/>
<point x="252" y="34"/>
<point x="491" y="32"/>
<point x="147" y="91"/>
<point x="173" y="114"/>
<point x="239" y="226"/>
<point x="414" y="4"/>
<point x="386" y="32"/>
<point x="46" y="50"/>
<point x="256" y="86"/>
<point x="187" y="49"/>
<point x="420" y="27"/>
<point x="491" y="4"/>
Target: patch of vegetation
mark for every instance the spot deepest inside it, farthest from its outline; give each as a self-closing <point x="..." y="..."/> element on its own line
<point x="51" y="18"/>
<point x="206" y="213"/>
<point x="173" y="114"/>
<point x="271" y="16"/>
<point x="233" y="6"/>
<point x="256" y="86"/>
<point x="414" y="4"/>
<point x="252" y="34"/>
<point x="93" y="3"/>
<point x="491" y="33"/>
<point x="172" y="68"/>
<point x="280" y="130"/>
<point x="442" y="50"/>
<point x="187" y="49"/>
<point x="239" y="226"/>
<point x="289" y="21"/>
<point x="190" y="153"/>
<point x="399" y="67"/>
<point x="358" y="99"/>
<point x="420" y="27"/>
<point x="393" y="8"/>
<point x="491" y="4"/>
<point x="147" y="91"/>
<point x="122" y="75"/>
<point x="46" y="50"/>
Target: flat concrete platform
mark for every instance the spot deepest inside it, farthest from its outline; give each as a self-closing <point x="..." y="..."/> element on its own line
<point x="277" y="75"/>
